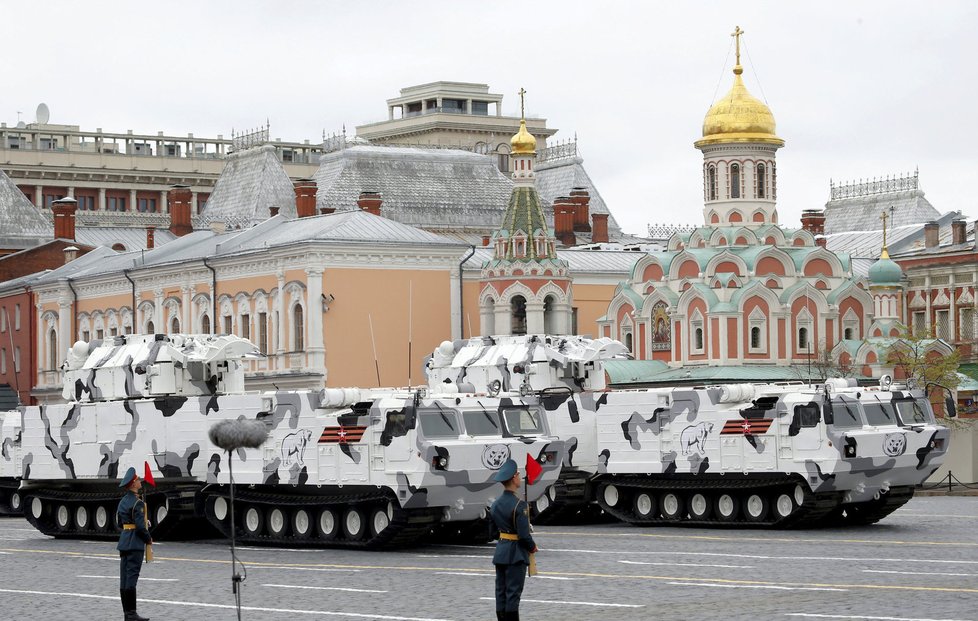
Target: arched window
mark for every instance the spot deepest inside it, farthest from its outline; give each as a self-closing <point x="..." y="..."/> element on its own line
<point x="735" y="181"/>
<point x="698" y="339"/>
<point x="802" y="338"/>
<point x="52" y="349"/>
<point x="755" y="337"/>
<point x="847" y="335"/>
<point x="174" y="326"/>
<point x="550" y="315"/>
<point x="205" y="324"/>
<point x="150" y="328"/>
<point x="489" y="318"/>
<point x="517" y="309"/>
<point x="712" y="182"/>
<point x="628" y="340"/>
<point x="760" y="180"/>
<point x="298" y="329"/>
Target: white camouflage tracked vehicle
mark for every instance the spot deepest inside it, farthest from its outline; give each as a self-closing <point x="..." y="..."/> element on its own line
<point x="735" y="455"/>
<point x="340" y="467"/>
<point x="11" y="500"/>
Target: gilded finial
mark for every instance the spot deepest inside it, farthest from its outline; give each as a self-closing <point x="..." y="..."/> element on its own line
<point x="523" y="142"/>
<point x="522" y="94"/>
<point x="884" y="254"/>
<point x="736" y="35"/>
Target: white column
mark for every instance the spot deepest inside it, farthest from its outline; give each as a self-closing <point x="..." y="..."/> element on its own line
<point x="193" y="203"/>
<point x="280" y="313"/>
<point x="64" y="326"/>
<point x="164" y="208"/>
<point x="38" y="197"/>
<point x="454" y="297"/>
<point x="534" y="318"/>
<point x="71" y="191"/>
<point x="158" y="322"/>
<point x="41" y="351"/>
<point x="101" y="199"/>
<point x="185" y="307"/>
<point x="927" y="321"/>
<point x="132" y="201"/>
<point x="314" y="319"/>
<point x="953" y="315"/>
<point x="723" y="340"/>
<point x="503" y="325"/>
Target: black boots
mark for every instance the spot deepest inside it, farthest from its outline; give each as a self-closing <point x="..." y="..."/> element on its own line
<point x="129" y="605"/>
<point x="500" y="615"/>
<point x="511" y="615"/>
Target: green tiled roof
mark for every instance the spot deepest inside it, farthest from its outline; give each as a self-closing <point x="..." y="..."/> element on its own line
<point x="525" y="214"/>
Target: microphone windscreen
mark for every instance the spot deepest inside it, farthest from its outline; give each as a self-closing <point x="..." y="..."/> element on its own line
<point x="231" y="435"/>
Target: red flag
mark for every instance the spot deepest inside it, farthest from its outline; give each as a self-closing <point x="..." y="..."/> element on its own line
<point x="533" y="469"/>
<point x="148" y="475"/>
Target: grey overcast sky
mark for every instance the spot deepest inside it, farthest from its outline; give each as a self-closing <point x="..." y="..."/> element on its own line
<point x="858" y="89"/>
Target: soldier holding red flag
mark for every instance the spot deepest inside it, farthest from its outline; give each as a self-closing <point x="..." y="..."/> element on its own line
<point x="510" y="523"/>
<point x="133" y="541"/>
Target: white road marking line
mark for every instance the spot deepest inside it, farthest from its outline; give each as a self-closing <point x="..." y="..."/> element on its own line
<point x="97" y="558"/>
<point x="916" y="573"/>
<point x="462" y="573"/>
<point x="321" y="613"/>
<point x="818" y="616"/>
<point x="319" y="588"/>
<point x="329" y="569"/>
<point x="141" y="578"/>
<point x="713" y="585"/>
<point x="303" y="550"/>
<point x="938" y="515"/>
<point x="14" y="538"/>
<point x="687" y="565"/>
<point x="453" y="555"/>
<point x="555" y="601"/>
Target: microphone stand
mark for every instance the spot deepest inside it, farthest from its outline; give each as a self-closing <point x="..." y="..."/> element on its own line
<point x="236" y="578"/>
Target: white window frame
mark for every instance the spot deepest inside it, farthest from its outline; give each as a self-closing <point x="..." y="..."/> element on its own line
<point x="696" y="323"/>
<point x="942" y="329"/>
<point x="970" y="335"/>
<point x="757" y="319"/>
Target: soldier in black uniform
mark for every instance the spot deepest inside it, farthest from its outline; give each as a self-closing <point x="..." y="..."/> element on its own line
<point x="132" y="543"/>
<point x="511" y="524"/>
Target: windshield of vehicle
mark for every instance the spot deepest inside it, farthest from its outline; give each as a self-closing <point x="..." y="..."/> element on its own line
<point x="914" y="411"/>
<point x="522" y="421"/>
<point x="481" y="423"/>
<point x="846" y="413"/>
<point x="879" y="413"/>
<point x="439" y="424"/>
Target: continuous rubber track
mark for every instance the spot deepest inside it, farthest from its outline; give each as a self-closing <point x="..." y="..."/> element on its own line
<point x="860" y="514"/>
<point x="11" y="500"/>
<point x="255" y="506"/>
<point x="68" y="514"/>
<point x="761" y="494"/>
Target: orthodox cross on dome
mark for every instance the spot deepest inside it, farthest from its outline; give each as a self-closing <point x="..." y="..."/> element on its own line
<point x="884" y="255"/>
<point x="736" y="35"/>
<point x="522" y="94"/>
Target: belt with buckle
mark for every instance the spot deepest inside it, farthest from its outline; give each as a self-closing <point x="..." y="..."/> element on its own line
<point x="128" y="527"/>
<point x="509" y="536"/>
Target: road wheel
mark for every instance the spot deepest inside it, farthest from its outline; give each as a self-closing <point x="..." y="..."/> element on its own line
<point x="63" y="517"/>
<point x="784" y="505"/>
<point x="799" y="495"/>
<point x="609" y="493"/>
<point x="644" y="505"/>
<point x="327" y="525"/>
<point x="277" y="525"/>
<point x="756" y="508"/>
<point x="37" y="508"/>
<point x="301" y="524"/>
<point x="379" y="520"/>
<point x="220" y="508"/>
<point x="354" y="524"/>
<point x="102" y="518"/>
<point x="16" y="501"/>
<point x="542" y="504"/>
<point x="81" y="517"/>
<point x="673" y="507"/>
<point x="727" y="507"/>
<point x="160" y="512"/>
<point x="700" y="506"/>
<point x="254" y="521"/>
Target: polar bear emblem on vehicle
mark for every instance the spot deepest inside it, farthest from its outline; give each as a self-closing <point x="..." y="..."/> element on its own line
<point x="894" y="444"/>
<point x="294" y="447"/>
<point x="695" y="436"/>
<point x="494" y="456"/>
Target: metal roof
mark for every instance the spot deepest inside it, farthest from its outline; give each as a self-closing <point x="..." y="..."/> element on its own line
<point x="22" y="225"/>
<point x="252" y="182"/>
<point x="618" y="262"/>
<point x="557" y="178"/>
<point x="862" y="213"/>
<point x="131" y="239"/>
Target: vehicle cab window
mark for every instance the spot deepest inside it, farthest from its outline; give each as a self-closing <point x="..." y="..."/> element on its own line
<point x="807" y="415"/>
<point x="846" y="413"/>
<point x="879" y="414"/>
<point x="914" y="411"/>
<point x="523" y="421"/>
<point x="482" y="423"/>
<point x="439" y="424"/>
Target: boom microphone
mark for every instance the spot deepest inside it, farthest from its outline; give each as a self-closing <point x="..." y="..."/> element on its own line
<point x="231" y="435"/>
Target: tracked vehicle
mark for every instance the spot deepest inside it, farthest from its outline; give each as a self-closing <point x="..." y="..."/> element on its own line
<point x="11" y="501"/>
<point x="732" y="455"/>
<point x="340" y="467"/>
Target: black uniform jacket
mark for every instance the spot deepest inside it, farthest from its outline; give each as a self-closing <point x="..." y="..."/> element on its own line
<point x="508" y="515"/>
<point x="132" y="511"/>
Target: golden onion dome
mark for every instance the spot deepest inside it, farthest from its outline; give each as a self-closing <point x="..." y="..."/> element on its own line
<point x="739" y="117"/>
<point x="523" y="143"/>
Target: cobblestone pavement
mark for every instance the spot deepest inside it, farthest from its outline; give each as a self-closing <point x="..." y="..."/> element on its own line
<point x="919" y="564"/>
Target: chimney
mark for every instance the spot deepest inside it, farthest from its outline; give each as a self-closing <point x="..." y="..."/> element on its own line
<point x="564" y="211"/>
<point x="820" y="241"/>
<point x="180" y="199"/>
<point x="370" y="202"/>
<point x="71" y="253"/>
<point x="931" y="235"/>
<point x="813" y="221"/>
<point x="64" y="218"/>
<point x="150" y="237"/>
<point x="599" y="228"/>
<point x="582" y="216"/>
<point x="273" y="211"/>
<point x="486" y="240"/>
<point x="305" y="198"/>
<point x="325" y="211"/>
<point x="958" y="228"/>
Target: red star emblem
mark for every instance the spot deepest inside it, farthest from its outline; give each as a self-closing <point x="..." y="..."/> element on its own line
<point x="746" y="427"/>
<point x="342" y="435"/>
